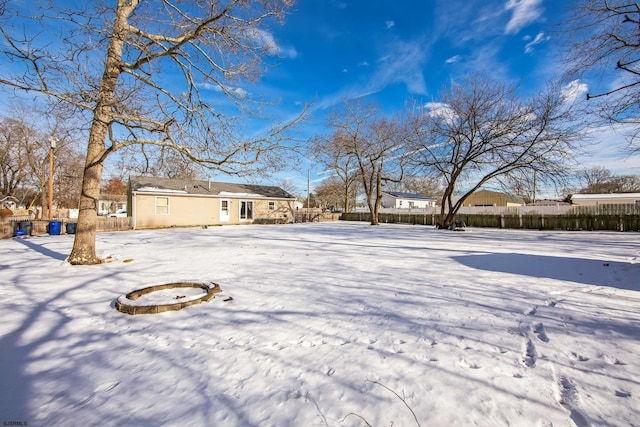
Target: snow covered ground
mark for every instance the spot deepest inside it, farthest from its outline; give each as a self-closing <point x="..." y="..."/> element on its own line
<point x="331" y="324"/>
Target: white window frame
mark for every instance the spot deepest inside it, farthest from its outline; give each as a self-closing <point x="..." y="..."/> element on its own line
<point x="168" y="206"/>
<point x="272" y="205"/>
<point x="245" y="216"/>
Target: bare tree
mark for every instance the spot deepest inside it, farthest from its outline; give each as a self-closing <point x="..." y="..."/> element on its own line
<point x="333" y="152"/>
<point x="164" y="162"/>
<point x="604" y="36"/>
<point x="522" y="183"/>
<point x="331" y="195"/>
<point x="15" y="137"/>
<point x="289" y="186"/>
<point x="424" y="185"/>
<point x="481" y="130"/>
<point x="376" y="144"/>
<point x="140" y="71"/>
<point x="599" y="179"/>
<point x="24" y="148"/>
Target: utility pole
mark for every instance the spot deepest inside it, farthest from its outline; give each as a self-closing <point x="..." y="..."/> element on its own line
<point x="308" y="188"/>
<point x="52" y="140"/>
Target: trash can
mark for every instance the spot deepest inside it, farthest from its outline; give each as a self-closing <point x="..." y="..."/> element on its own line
<point x="71" y="227"/>
<point x="25" y="226"/>
<point x="55" y="227"/>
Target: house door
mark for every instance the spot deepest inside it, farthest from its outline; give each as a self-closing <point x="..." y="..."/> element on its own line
<point x="224" y="210"/>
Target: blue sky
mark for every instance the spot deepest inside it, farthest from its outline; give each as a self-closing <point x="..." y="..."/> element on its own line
<point x="393" y="51"/>
<point x="390" y="50"/>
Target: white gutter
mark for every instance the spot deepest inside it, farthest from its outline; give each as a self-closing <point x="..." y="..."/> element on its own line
<point x="133" y="209"/>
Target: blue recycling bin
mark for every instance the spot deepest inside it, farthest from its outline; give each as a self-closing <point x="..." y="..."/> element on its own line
<point x="55" y="227"/>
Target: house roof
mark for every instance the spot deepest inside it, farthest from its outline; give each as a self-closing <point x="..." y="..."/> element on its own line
<point x="400" y="195"/>
<point x="202" y="187"/>
<point x="606" y="196"/>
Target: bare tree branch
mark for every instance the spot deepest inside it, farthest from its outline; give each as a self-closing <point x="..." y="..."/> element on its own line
<point x="151" y="75"/>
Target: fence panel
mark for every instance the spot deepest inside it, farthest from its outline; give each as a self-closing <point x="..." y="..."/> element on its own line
<point x="581" y="219"/>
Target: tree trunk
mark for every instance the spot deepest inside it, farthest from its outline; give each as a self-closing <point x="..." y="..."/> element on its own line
<point x="84" y="245"/>
<point x="346" y="197"/>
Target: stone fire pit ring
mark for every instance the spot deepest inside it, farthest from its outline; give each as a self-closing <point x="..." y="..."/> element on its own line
<point x="132" y="304"/>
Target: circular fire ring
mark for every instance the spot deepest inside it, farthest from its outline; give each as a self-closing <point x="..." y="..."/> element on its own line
<point x="128" y="303"/>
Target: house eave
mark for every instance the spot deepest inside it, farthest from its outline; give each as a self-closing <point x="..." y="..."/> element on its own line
<point x="209" y="196"/>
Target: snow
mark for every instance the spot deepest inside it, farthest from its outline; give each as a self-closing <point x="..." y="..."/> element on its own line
<point x="158" y="189"/>
<point x="329" y="324"/>
<point x="247" y="195"/>
<point x="167" y="296"/>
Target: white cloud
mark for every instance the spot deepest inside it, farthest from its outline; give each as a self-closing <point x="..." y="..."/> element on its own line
<point x="453" y="59"/>
<point x="540" y="38"/>
<point x="403" y="64"/>
<point x="610" y="150"/>
<point x="265" y="40"/>
<point x="440" y="109"/>
<point x="238" y="92"/>
<point x="389" y="24"/>
<point x="400" y="62"/>
<point x="574" y="90"/>
<point x="524" y="12"/>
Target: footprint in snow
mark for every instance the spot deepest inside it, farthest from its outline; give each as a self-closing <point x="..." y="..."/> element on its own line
<point x="466" y="364"/>
<point x="612" y="360"/>
<point x="623" y="393"/>
<point x="106" y="387"/>
<point x="579" y="357"/>
<point x="529" y="353"/>
<point x="569" y="398"/>
<point x="540" y="331"/>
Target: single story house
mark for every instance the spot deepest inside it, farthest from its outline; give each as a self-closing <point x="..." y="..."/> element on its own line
<point x="605" y="199"/>
<point x="398" y="200"/>
<point x="163" y="202"/>
<point x="111" y="203"/>
<point x="493" y="198"/>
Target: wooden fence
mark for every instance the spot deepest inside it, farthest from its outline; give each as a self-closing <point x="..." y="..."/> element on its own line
<point x="315" y="215"/>
<point x="10" y="225"/>
<point x="603" y="217"/>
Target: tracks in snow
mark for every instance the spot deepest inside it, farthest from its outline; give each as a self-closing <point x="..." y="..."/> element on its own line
<point x="566" y="392"/>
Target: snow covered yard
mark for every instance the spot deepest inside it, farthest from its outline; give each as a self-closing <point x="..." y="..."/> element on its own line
<point x="484" y="327"/>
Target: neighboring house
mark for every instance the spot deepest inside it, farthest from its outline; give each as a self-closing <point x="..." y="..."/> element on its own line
<point x="111" y="203"/>
<point x="163" y="202"/>
<point x="8" y="202"/>
<point x="605" y="199"/>
<point x="397" y="200"/>
<point x="493" y="198"/>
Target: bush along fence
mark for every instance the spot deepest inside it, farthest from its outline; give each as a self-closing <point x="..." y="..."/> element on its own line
<point x="592" y="218"/>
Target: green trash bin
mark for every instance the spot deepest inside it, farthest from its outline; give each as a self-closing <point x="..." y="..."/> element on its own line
<point x="25" y="226"/>
<point x="71" y="227"/>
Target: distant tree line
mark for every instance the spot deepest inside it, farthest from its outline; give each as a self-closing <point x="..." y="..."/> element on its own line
<point x="600" y="180"/>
